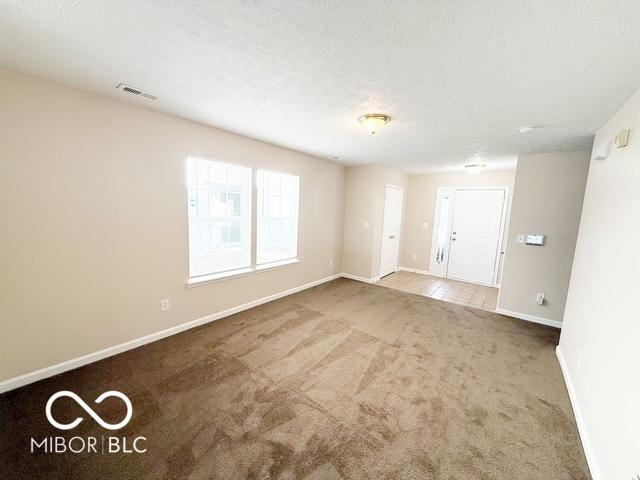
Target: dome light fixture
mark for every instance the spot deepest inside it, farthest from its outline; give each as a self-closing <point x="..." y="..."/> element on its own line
<point x="529" y="128"/>
<point x="474" y="167"/>
<point x="373" y="122"/>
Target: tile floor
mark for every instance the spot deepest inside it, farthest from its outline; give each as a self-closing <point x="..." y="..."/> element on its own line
<point x="454" y="291"/>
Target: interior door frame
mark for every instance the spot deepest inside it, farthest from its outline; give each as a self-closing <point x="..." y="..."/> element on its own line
<point x="384" y="208"/>
<point x="443" y="270"/>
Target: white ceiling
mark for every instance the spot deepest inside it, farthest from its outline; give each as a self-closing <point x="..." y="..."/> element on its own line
<point x="458" y="77"/>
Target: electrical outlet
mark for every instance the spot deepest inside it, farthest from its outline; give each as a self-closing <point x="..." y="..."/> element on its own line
<point x="519" y="238"/>
<point x="540" y="298"/>
<point x="414" y="257"/>
<point x="425" y="225"/>
<point x="164" y="305"/>
<point x="366" y="225"/>
<point x="331" y="262"/>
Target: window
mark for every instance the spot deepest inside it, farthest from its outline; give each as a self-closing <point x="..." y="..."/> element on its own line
<point x="219" y="206"/>
<point x="442" y="229"/>
<point x="443" y="216"/>
<point x="277" y="217"/>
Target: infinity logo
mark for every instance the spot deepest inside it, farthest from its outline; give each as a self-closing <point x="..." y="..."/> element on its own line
<point x="89" y="410"/>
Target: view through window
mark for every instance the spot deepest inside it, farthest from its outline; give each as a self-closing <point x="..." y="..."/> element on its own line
<point x="219" y="206"/>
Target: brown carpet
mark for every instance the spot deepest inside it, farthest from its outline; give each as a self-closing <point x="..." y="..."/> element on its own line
<point x="345" y="380"/>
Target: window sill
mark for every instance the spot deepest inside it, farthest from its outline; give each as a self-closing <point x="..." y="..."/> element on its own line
<point x="216" y="277"/>
<point x="282" y="263"/>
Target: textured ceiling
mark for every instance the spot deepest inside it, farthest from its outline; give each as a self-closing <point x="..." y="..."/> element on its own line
<point x="458" y="77"/>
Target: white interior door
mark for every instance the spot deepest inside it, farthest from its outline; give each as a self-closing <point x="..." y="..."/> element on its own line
<point x="391" y="230"/>
<point x="475" y="235"/>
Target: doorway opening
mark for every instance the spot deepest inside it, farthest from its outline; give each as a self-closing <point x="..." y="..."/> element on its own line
<point x="468" y="233"/>
<point x="466" y="248"/>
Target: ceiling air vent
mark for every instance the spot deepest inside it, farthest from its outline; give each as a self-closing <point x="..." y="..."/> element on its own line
<point x="135" y="91"/>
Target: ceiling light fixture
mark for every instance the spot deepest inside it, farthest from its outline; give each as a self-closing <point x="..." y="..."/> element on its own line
<point x="529" y="128"/>
<point x="373" y="122"/>
<point x="474" y="167"/>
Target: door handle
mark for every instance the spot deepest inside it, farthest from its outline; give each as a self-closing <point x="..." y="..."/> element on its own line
<point x="392" y="236"/>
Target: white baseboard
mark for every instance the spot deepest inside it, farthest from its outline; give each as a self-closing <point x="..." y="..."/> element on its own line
<point x="577" y="413"/>
<point x="360" y="279"/>
<point x="415" y="270"/>
<point x="530" y="318"/>
<point x="16" y="382"/>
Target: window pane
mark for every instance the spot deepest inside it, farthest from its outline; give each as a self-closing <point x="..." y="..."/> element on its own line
<point x="287" y="185"/>
<point x="219" y="208"/>
<point x="277" y="217"/>
<point x="272" y="183"/>
<point x="286" y="207"/>
<point x="443" y="222"/>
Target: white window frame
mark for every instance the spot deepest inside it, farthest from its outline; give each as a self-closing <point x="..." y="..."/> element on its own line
<point x="254" y="267"/>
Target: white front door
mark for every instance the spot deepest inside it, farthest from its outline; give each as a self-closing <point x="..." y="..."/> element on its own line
<point x="391" y="230"/>
<point x="475" y="235"/>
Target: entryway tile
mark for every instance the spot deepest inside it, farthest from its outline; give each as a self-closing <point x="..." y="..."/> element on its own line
<point x="445" y="289"/>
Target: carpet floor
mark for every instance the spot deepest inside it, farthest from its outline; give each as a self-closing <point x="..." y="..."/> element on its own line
<point x="342" y="381"/>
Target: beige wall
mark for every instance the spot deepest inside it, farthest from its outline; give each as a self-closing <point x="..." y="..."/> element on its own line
<point x="601" y="328"/>
<point x="94" y="222"/>
<point x="547" y="199"/>
<point x="364" y="203"/>
<point x="421" y="202"/>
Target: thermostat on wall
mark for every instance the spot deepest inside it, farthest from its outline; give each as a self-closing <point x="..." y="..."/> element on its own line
<point x="535" y="239"/>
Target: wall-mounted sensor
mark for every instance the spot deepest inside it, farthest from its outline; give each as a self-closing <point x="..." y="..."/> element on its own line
<point x="601" y="151"/>
<point x="535" y="239"/>
<point x="622" y="139"/>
